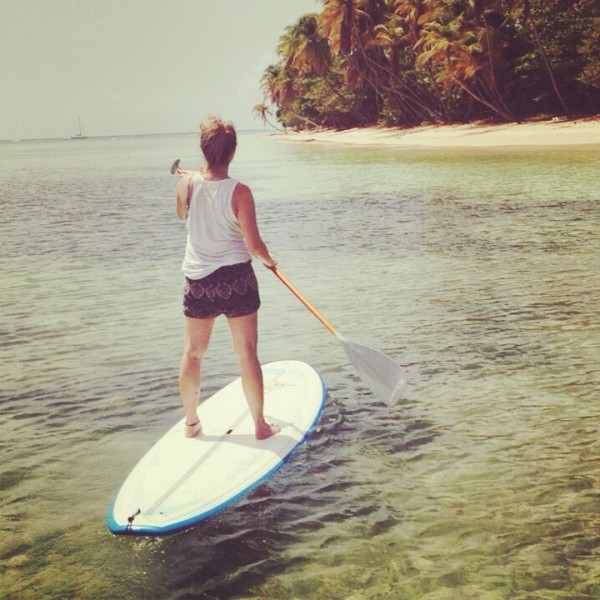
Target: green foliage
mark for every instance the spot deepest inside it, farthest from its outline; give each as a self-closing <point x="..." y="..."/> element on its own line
<point x="589" y="49"/>
<point x="405" y="62"/>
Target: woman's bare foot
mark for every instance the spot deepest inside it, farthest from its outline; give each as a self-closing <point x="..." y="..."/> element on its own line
<point x="265" y="430"/>
<point x="192" y="430"/>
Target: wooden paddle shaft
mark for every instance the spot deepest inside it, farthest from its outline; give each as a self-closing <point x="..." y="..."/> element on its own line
<point x="303" y="299"/>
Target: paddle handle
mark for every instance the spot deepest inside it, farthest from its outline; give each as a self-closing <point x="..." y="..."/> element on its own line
<point x="303" y="299"/>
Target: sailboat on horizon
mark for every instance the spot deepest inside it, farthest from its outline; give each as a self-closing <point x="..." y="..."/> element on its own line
<point x="79" y="136"/>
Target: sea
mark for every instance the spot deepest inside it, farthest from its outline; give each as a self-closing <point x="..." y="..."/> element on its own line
<point x="475" y="269"/>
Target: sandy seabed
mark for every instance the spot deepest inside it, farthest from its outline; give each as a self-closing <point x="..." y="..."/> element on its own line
<point x="554" y="132"/>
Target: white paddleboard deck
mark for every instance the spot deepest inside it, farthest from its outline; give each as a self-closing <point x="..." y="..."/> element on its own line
<point x="181" y="481"/>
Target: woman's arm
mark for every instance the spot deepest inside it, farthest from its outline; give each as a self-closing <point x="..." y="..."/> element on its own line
<point x="182" y="191"/>
<point x="245" y="212"/>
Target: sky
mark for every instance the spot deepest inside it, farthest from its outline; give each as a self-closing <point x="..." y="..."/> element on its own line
<point x="135" y="66"/>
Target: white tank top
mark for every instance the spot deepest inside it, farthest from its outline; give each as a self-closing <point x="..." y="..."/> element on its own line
<point x="214" y="236"/>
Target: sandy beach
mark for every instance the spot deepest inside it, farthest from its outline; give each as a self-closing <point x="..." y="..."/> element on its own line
<point x="555" y="132"/>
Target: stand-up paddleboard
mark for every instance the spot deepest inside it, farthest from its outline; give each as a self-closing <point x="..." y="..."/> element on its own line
<point x="181" y="481"/>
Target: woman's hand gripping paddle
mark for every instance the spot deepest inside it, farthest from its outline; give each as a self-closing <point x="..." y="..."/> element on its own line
<point x="384" y="376"/>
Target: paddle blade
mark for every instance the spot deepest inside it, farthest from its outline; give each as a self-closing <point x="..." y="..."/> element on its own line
<point x="175" y="166"/>
<point x="382" y="375"/>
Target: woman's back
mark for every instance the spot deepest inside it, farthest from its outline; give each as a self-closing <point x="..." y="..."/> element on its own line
<point x="214" y="235"/>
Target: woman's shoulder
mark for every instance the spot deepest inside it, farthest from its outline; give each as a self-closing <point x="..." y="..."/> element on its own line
<point x="241" y="190"/>
<point x="242" y="196"/>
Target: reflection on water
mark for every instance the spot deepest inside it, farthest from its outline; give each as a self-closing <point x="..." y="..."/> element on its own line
<point x="476" y="269"/>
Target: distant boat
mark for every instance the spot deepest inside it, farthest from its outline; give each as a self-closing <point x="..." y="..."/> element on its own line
<point x="79" y="136"/>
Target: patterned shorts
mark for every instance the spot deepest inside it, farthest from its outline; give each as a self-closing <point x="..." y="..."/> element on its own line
<point x="231" y="291"/>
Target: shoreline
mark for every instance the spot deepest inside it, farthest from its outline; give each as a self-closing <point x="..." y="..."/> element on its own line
<point x="554" y="132"/>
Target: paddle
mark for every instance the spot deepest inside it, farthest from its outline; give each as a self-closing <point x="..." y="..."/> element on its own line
<point x="384" y="376"/>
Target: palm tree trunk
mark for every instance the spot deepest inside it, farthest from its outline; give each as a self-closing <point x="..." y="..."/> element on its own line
<point x="506" y="116"/>
<point x="548" y="67"/>
<point x="347" y="27"/>
<point x="401" y="90"/>
<point x="536" y="34"/>
<point x="490" y="52"/>
<point x="444" y="112"/>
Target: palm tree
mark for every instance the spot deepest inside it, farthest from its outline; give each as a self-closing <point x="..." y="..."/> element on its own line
<point x="412" y="14"/>
<point x="455" y="49"/>
<point x="277" y="84"/>
<point x="337" y="19"/>
<point x="350" y="25"/>
<point x="305" y="50"/>
<point x="263" y="111"/>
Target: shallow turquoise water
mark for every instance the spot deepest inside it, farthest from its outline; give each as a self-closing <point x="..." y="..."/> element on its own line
<point x="477" y="270"/>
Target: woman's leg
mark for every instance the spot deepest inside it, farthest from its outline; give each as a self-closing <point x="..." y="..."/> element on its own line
<point x="197" y="337"/>
<point x="244" y="331"/>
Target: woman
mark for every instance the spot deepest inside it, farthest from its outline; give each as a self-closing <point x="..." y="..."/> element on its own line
<point x="222" y="238"/>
